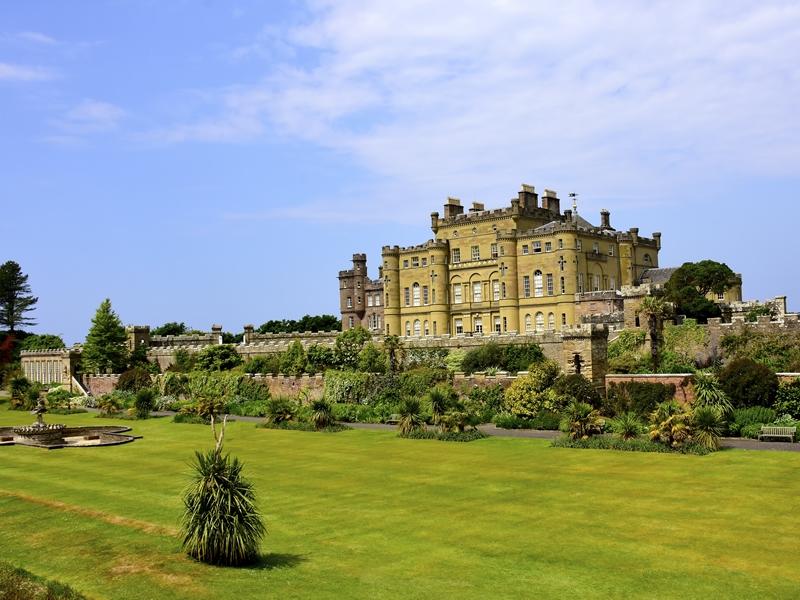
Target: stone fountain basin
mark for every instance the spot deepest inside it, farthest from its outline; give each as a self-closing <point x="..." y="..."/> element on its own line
<point x="65" y="437"/>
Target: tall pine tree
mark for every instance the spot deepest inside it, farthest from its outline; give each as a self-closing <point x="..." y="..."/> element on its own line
<point x="105" y="350"/>
<point x="15" y="297"/>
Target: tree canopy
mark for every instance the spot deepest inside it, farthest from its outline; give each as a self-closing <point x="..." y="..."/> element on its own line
<point x="15" y="297"/>
<point x="691" y="282"/>
<point x="171" y="328"/>
<point x="105" y="350"/>
<point x="44" y="341"/>
<point x="305" y="323"/>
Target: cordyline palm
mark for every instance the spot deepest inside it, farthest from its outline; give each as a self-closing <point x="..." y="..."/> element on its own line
<point x="707" y="426"/>
<point x="440" y="400"/>
<point x="321" y="414"/>
<point x="221" y="524"/>
<point x="410" y="416"/>
<point x="581" y="421"/>
<point x="656" y="310"/>
<point x="709" y="393"/>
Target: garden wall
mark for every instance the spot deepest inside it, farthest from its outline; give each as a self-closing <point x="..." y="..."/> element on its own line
<point x="684" y="390"/>
<point x="97" y="385"/>
<point x="285" y="385"/>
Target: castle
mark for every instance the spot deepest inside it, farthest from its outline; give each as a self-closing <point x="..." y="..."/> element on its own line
<point x="525" y="268"/>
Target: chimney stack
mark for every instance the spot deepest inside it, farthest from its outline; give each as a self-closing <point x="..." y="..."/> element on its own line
<point x="551" y="202"/>
<point x="527" y="197"/>
<point x="605" y="219"/>
<point x="477" y="207"/>
<point x="453" y="207"/>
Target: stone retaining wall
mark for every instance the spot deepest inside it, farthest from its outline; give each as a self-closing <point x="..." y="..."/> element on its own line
<point x="97" y="385"/>
<point x="684" y="390"/>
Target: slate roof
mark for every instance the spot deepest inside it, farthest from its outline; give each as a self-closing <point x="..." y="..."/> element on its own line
<point x="657" y="276"/>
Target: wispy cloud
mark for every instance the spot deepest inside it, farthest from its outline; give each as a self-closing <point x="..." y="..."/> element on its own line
<point x="612" y="96"/>
<point x="37" y="38"/>
<point x="24" y="73"/>
<point x="89" y="117"/>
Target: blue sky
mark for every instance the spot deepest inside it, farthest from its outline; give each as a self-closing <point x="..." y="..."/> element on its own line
<point x="220" y="161"/>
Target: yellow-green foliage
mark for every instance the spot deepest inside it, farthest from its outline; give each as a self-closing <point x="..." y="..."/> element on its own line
<point x="532" y="392"/>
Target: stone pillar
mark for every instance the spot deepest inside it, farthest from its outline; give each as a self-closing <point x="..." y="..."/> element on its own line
<point x="216" y="330"/>
<point x="248" y="334"/>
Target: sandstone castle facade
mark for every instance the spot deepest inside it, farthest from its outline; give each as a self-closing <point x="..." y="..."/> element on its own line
<point x="522" y="269"/>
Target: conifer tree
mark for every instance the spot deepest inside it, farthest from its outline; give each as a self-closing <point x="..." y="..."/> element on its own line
<point x="15" y="297"/>
<point x="105" y="350"/>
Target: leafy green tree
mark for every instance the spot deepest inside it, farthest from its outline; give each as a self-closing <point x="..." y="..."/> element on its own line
<point x="183" y="361"/>
<point x="294" y="360"/>
<point x="577" y="387"/>
<point x="171" y="328"/>
<point x="349" y="345"/>
<point x="748" y="383"/>
<point x="691" y="282"/>
<point x="105" y="350"/>
<point x="306" y="323"/>
<point x="44" y="341"/>
<point x="218" y="358"/>
<point x="320" y="358"/>
<point x="15" y="297"/>
<point x="371" y="359"/>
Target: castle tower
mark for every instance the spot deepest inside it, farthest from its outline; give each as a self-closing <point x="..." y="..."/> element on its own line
<point x="391" y="289"/>
<point x="440" y="299"/>
<point x="351" y="292"/>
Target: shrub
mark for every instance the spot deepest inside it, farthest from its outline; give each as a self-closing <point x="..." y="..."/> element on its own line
<point x="751" y="430"/>
<point x="707" y="425"/>
<point x="787" y="398"/>
<point x="417" y="382"/>
<point x="293" y="361"/>
<point x="218" y="358"/>
<point x="145" y="400"/>
<point x="579" y="388"/>
<point x="265" y="365"/>
<point x="530" y="393"/>
<point x="752" y="416"/>
<point x="580" y="420"/>
<point x="627" y="425"/>
<point x="748" y="383"/>
<point x="60" y="397"/>
<point x="19" y="584"/>
<point x="280" y="409"/>
<point x="183" y="361"/>
<point x="778" y="350"/>
<point x="519" y="357"/>
<point x="191" y="418"/>
<point x="433" y="358"/>
<point x="708" y="392"/>
<point x="372" y="360"/>
<point x="320" y="358"/>
<point x="640" y="397"/>
<point x="545" y="419"/>
<point x="135" y="379"/>
<point x="18" y="387"/>
<point x="109" y="404"/>
<point x="345" y="386"/>
<point x="516" y="357"/>
<point x="348" y="346"/>
<point x="670" y="424"/>
<point x="482" y="357"/>
<point x="355" y="413"/>
<point x="411" y="418"/>
<point x="221" y="524"/>
<point x="446" y="436"/>
<point x="441" y="399"/>
<point x="604" y="442"/>
<point x="321" y="414"/>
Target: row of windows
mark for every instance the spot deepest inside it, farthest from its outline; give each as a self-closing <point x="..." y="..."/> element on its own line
<point x="419" y="328"/>
<point x="539" y="320"/>
<point x="416" y="261"/>
<point x="597" y="282"/>
<point x="373" y="322"/>
<point x="475" y="253"/>
<point x="372" y="300"/>
<point x="418" y="296"/>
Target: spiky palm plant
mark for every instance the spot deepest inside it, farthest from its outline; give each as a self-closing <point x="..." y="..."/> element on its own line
<point x="707" y="426"/>
<point x="708" y="392"/>
<point x="440" y="399"/>
<point x="410" y="416"/>
<point x="321" y="414"/>
<point x="581" y="421"/>
<point x="627" y="425"/>
<point x="279" y="410"/>
<point x="221" y="524"/>
<point x="670" y="424"/>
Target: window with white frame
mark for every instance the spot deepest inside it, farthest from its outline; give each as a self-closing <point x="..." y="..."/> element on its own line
<point x="476" y="252"/>
<point x="459" y="326"/>
<point x="528" y="323"/>
<point x="549" y="281"/>
<point x="424" y="261"/>
<point x="416" y="327"/>
<point x="425" y="328"/>
<point x="493" y="250"/>
<point x="349" y="302"/>
<point x="408" y="328"/>
<point x="560" y="244"/>
<point x="377" y="299"/>
<point x="457" y="299"/>
<point x="425" y="295"/>
<point x="595" y="248"/>
<point x="497" y="326"/>
<point x="405" y="264"/>
<point x="456" y="255"/>
<point x="407" y="296"/>
<point x="525" y="248"/>
<point x="539" y="321"/>
<point x="526" y="286"/>
<point x="538" y="290"/>
<point x="580" y="283"/>
<point x="477" y="289"/>
<point x="537" y="247"/>
<point x="477" y="325"/>
<point x="611" y="249"/>
<point x="596" y="283"/>
<point x="415" y="261"/>
<point x="415" y="294"/>
<point x="613" y="282"/>
<point x="548" y="246"/>
<point x="496" y="290"/>
<point x="369" y="299"/>
<point x="551" y="321"/>
<point x="350" y="322"/>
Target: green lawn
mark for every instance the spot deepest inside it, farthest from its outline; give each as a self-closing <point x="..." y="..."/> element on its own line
<point x="363" y="514"/>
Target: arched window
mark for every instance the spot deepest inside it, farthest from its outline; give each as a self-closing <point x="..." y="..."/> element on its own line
<point x="539" y="321"/>
<point x="408" y="328"/>
<point x="537" y="284"/>
<point x="425" y="328"/>
<point x="528" y="323"/>
<point x="551" y="321"/>
<point x="415" y="294"/>
<point x="647" y="259"/>
<point x="416" y="327"/>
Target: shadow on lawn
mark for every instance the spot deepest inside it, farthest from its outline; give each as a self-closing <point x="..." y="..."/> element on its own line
<point x="275" y="560"/>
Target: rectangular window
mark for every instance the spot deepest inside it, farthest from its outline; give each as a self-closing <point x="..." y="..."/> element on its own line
<point x="434" y="328"/>
<point x="496" y="290"/>
<point x="478" y="324"/>
<point x="387" y="298"/>
<point x="349" y="302"/>
<point x="477" y="296"/>
<point x="350" y="322"/>
<point x="580" y="283"/>
<point x="497" y="325"/>
<point x="561" y="263"/>
<point x="563" y="319"/>
<point x="578" y="245"/>
<point x="548" y="246"/>
<point x="605" y="282"/>
<point x="433" y="296"/>
<point x="425" y="294"/>
<point x="720" y="295"/>
<point x="407" y="296"/>
<point x="596" y="248"/>
<point x="369" y="299"/>
<point x="502" y="250"/>
<point x="537" y="247"/>
<point x="611" y="249"/>
<point x="613" y="282"/>
<point x="415" y="261"/>
<point x="596" y="283"/>
<point x="493" y="250"/>
<point x="415" y="294"/>
<point x="563" y="286"/>
<point x="424" y="262"/>
<point x="549" y="278"/>
<point x="459" y="326"/>
<point x="560" y="244"/>
<point x="457" y="294"/>
<point x="405" y="264"/>
<point x="503" y="288"/>
<point x="505" y="324"/>
<point x="476" y="253"/>
<point x="526" y="286"/>
<point x="456" y="255"/>
<point x="524" y="248"/>
<point x="377" y="299"/>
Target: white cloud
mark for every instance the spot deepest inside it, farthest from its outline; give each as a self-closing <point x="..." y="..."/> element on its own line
<point x="37" y="38"/>
<point x="91" y="117"/>
<point x="11" y="72"/>
<point x="608" y="96"/>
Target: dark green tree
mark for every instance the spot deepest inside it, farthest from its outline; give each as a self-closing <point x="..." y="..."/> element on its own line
<point x="105" y="350"/>
<point x="15" y="297"/>
<point x="44" y="341"/>
<point x="218" y="358"/>
<point x="349" y="345"/>
<point x="171" y="328"/>
<point x="691" y="282"/>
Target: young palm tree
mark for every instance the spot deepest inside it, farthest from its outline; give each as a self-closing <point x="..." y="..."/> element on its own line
<point x="581" y="421"/>
<point x="441" y="398"/>
<point x="708" y="392"/>
<point x="707" y="426"/>
<point x="221" y="524"/>
<point x="627" y="425"/>
<point x="321" y="413"/>
<point x="656" y="310"/>
<point x="410" y="416"/>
